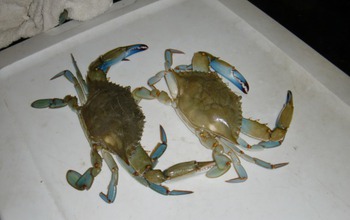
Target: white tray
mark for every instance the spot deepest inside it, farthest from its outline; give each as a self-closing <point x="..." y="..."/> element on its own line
<point x="39" y="146"/>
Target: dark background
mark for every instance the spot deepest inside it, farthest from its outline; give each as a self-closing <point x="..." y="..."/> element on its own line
<point x="322" y="24"/>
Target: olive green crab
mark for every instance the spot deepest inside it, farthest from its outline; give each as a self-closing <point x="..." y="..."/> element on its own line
<point x="213" y="112"/>
<point x="113" y="124"/>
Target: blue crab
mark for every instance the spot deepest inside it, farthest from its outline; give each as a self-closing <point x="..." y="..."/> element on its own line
<point x="113" y="124"/>
<point x="213" y="112"/>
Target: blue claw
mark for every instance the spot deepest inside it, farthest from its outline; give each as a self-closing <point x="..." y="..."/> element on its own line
<point x="165" y="191"/>
<point x="230" y="73"/>
<point x="132" y="49"/>
<point x="119" y="54"/>
<point x="81" y="88"/>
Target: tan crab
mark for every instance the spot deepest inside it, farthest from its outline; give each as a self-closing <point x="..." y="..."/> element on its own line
<point x="113" y="124"/>
<point x="213" y="112"/>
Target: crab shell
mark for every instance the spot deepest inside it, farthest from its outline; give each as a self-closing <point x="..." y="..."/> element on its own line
<point x="205" y="102"/>
<point x="112" y="118"/>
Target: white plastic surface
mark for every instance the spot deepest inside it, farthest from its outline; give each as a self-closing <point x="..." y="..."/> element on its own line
<point x="39" y="146"/>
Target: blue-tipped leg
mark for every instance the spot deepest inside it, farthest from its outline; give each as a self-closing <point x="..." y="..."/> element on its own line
<point x="111" y="192"/>
<point x="235" y="152"/>
<point x="80" y="76"/>
<point x="160" y="148"/>
<point x="68" y="74"/>
<point x="223" y="163"/>
<point x="112" y="187"/>
<point x="242" y="174"/>
<point x="268" y="165"/>
<point x="165" y="191"/>
<point x="168" y="56"/>
<point x="71" y="101"/>
<point x="80" y="88"/>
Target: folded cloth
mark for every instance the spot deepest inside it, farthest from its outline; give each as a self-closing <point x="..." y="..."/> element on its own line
<point x="26" y="18"/>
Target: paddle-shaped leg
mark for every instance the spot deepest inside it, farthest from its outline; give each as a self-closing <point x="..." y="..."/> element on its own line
<point x="84" y="182"/>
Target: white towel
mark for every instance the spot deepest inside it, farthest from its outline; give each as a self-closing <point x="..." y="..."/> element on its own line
<point x="26" y="18"/>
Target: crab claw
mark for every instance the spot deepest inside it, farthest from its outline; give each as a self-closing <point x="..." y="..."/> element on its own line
<point x="105" y="61"/>
<point x="229" y="72"/>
